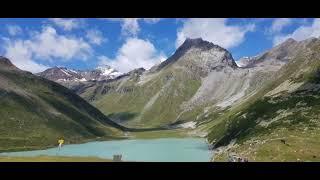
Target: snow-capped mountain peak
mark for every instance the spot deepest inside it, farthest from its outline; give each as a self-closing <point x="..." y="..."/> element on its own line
<point x="107" y="70"/>
<point x="63" y="74"/>
<point x="244" y="61"/>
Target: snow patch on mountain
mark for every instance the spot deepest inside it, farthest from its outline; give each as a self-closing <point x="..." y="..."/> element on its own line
<point x="62" y="74"/>
<point x="65" y="72"/>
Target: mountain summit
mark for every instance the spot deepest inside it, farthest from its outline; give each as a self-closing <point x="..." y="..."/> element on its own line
<point x="200" y="55"/>
<point x="64" y="74"/>
<point x="6" y="63"/>
<point x="277" y="56"/>
<point x="197" y="43"/>
<point x="107" y="72"/>
<point x="61" y="74"/>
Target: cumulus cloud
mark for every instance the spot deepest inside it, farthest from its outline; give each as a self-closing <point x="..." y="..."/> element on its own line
<point x="216" y="31"/>
<point x="95" y="36"/>
<point x="104" y="60"/>
<point x="21" y="56"/>
<point x="301" y="33"/>
<point x="45" y="45"/>
<point x="279" y="24"/>
<point x="151" y="20"/>
<point x="14" y="30"/>
<point x="134" y="53"/>
<point x="66" y="24"/>
<point x="130" y="26"/>
<point x="48" y="44"/>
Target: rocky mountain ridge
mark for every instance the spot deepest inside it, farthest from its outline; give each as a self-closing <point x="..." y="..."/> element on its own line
<point x="62" y="74"/>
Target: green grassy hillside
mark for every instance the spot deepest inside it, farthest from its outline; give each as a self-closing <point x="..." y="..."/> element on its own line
<point x="35" y="112"/>
<point x="152" y="104"/>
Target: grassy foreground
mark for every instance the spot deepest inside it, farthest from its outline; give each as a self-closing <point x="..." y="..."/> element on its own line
<point x="53" y="159"/>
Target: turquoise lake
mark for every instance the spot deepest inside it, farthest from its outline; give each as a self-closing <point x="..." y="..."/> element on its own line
<point x="150" y="150"/>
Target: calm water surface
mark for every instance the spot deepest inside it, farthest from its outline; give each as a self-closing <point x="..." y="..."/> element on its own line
<point x="152" y="150"/>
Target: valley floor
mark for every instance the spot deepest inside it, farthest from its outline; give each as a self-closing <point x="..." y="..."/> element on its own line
<point x="170" y="133"/>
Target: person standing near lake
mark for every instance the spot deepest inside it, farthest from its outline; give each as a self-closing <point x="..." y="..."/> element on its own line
<point x="60" y="141"/>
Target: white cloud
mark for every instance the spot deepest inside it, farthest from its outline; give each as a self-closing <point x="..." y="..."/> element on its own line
<point x="130" y="26"/>
<point x="66" y="24"/>
<point x="21" y="56"/>
<point x="134" y="53"/>
<point x="301" y="33"/>
<point x="95" y="36"/>
<point x="45" y="45"/>
<point x="104" y="60"/>
<point x="151" y="20"/>
<point x="216" y="31"/>
<point x="279" y="24"/>
<point x="14" y="30"/>
<point x="48" y="44"/>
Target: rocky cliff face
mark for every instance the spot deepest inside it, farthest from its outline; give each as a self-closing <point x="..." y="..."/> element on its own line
<point x="199" y="56"/>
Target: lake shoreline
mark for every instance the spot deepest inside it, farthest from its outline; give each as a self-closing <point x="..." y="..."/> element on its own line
<point x="160" y="149"/>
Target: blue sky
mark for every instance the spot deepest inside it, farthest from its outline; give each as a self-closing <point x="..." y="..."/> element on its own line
<point x="125" y="44"/>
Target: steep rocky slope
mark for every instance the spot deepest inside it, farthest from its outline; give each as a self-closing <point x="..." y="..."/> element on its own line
<point x="280" y="121"/>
